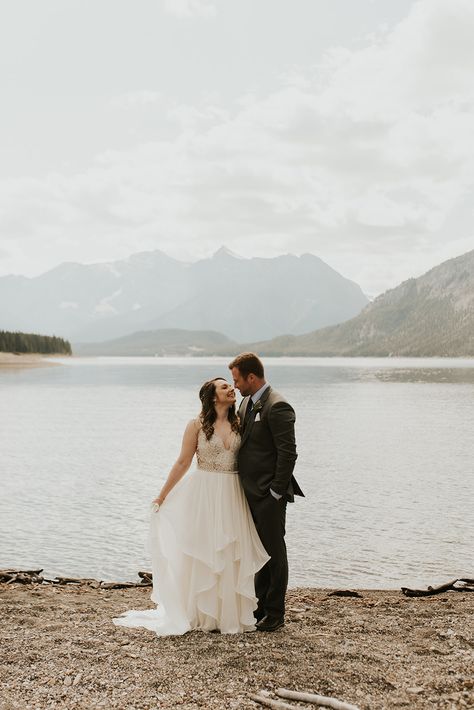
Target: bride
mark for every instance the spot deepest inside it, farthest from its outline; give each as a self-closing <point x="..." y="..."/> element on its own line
<point x="205" y="548"/>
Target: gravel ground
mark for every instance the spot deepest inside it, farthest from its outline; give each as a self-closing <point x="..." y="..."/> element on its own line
<point x="60" y="650"/>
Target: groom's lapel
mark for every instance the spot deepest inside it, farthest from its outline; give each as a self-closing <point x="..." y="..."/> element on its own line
<point x="242" y="412"/>
<point x="251" y="420"/>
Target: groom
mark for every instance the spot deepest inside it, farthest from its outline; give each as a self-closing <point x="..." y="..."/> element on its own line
<point x="267" y="458"/>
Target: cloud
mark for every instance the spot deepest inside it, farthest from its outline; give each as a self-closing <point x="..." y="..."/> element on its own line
<point x="133" y="99"/>
<point x="366" y="160"/>
<point x="190" y="8"/>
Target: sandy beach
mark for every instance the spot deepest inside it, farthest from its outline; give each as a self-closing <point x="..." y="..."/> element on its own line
<point x="60" y="649"/>
<point x="14" y="360"/>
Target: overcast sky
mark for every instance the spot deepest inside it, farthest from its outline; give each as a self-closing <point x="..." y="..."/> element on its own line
<point x="344" y="128"/>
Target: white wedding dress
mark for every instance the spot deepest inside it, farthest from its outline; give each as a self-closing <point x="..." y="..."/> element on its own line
<point x="205" y="550"/>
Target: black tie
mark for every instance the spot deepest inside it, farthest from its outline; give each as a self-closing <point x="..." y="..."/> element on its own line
<point x="248" y="412"/>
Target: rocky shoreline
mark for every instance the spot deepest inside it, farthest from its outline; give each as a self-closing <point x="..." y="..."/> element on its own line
<point x="380" y="650"/>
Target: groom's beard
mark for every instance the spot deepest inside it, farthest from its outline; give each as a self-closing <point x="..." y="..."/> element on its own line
<point x="244" y="391"/>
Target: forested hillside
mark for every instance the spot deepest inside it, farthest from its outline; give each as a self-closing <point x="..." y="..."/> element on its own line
<point x="33" y="343"/>
<point x="432" y="315"/>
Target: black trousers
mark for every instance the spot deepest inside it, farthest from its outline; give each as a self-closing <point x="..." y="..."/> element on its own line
<point x="271" y="581"/>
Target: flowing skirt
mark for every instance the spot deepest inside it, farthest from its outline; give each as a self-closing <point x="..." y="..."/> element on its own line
<point x="205" y="553"/>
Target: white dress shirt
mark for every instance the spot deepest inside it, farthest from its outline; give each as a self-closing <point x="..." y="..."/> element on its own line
<point x="255" y="397"/>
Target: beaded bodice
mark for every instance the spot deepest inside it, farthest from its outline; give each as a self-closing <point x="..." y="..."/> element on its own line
<point x="213" y="455"/>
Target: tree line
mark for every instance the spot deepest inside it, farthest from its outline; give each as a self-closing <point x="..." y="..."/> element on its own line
<point x="18" y="342"/>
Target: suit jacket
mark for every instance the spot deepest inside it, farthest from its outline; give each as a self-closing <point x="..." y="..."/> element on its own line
<point x="267" y="453"/>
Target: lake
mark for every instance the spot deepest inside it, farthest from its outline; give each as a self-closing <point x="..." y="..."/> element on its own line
<point x="385" y="459"/>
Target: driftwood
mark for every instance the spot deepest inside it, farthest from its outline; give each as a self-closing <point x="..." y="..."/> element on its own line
<point x="100" y="584"/>
<point x="21" y="576"/>
<point x="345" y="593"/>
<point x="121" y="585"/>
<point x="11" y="576"/>
<point x="322" y="700"/>
<point x="16" y="571"/>
<point x="147" y="577"/>
<point x="464" y="585"/>
<point x="73" y="580"/>
<point x="275" y="704"/>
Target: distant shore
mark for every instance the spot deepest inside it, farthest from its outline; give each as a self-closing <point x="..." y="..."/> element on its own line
<point x="381" y="650"/>
<point x="27" y="360"/>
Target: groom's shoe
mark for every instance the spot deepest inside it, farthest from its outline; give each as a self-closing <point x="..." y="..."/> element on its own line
<point x="259" y="614"/>
<point x="270" y="623"/>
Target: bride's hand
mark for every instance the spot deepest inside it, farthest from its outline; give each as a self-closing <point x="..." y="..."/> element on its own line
<point x="158" y="501"/>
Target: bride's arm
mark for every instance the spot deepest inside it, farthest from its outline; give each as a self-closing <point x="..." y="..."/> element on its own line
<point x="183" y="462"/>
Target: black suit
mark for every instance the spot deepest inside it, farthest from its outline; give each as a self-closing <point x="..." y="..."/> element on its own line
<point x="267" y="458"/>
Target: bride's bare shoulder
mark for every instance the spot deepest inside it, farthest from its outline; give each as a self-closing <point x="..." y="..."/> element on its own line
<point x="195" y="425"/>
<point x="190" y="437"/>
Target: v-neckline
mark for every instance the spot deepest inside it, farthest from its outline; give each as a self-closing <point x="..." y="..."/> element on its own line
<point x="227" y="448"/>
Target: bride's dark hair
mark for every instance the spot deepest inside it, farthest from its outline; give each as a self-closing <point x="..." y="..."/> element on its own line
<point x="207" y="395"/>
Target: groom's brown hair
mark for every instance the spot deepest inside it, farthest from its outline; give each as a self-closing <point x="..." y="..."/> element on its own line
<point x="248" y="364"/>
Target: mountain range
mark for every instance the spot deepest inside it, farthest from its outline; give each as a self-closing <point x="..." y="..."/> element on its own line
<point x="244" y="299"/>
<point x="432" y="315"/>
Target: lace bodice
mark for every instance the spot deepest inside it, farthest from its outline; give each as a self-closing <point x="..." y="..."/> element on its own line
<point x="212" y="455"/>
